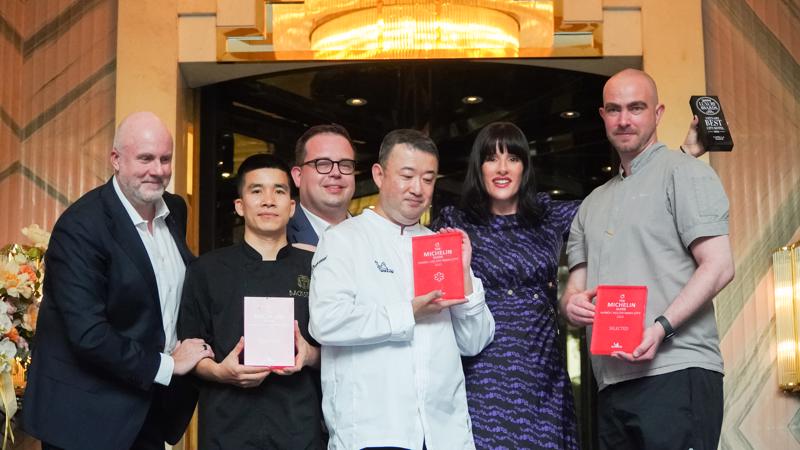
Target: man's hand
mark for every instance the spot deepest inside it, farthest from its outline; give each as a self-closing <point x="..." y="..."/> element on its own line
<point x="580" y="309"/>
<point x="646" y="351"/>
<point x="231" y="372"/>
<point x="307" y="354"/>
<point x="426" y="305"/>
<point x="692" y="144"/>
<point x="188" y="353"/>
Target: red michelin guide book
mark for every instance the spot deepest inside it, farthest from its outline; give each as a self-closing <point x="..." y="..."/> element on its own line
<point x="269" y="332"/>
<point x="618" y="319"/>
<point x="437" y="265"/>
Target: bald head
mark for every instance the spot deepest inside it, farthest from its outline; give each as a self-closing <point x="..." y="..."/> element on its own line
<point x="631" y="112"/>
<point x="140" y="126"/>
<point x="142" y="160"/>
<point x="627" y="78"/>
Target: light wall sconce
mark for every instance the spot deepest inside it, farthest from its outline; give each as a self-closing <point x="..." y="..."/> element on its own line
<point x="786" y="273"/>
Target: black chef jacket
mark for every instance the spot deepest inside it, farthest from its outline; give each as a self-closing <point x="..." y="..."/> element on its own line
<point x="284" y="411"/>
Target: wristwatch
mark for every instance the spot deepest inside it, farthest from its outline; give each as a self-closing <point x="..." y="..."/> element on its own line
<point x="668" y="330"/>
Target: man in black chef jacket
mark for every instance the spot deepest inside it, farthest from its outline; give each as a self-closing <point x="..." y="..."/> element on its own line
<point x="246" y="407"/>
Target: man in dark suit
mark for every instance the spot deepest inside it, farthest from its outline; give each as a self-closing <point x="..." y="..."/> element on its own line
<point x="107" y="369"/>
<point x="324" y="173"/>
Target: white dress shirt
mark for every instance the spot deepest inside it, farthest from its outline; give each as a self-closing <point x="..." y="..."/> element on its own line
<point x="386" y="379"/>
<point x="319" y="224"/>
<point x="169" y="270"/>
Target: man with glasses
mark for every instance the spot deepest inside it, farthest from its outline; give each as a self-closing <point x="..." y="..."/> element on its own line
<point x="324" y="174"/>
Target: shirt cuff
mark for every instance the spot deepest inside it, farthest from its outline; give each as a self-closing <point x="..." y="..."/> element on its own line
<point x="165" y="367"/>
<point x="476" y="302"/>
<point x="401" y="320"/>
<point x="704" y="230"/>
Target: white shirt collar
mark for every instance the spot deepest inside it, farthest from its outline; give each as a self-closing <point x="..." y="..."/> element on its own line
<point x="388" y="225"/>
<point x="162" y="211"/>
<point x="319" y="224"/>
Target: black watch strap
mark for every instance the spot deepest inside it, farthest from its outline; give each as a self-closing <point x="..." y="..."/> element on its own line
<point x="668" y="330"/>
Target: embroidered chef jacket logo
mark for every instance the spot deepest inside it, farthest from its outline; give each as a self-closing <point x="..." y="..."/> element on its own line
<point x="383" y="267"/>
<point x="303" y="282"/>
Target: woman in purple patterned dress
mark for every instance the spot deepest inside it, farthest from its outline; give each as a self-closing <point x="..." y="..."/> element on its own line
<point x="519" y="393"/>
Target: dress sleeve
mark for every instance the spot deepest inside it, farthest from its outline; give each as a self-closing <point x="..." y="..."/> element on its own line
<point x="473" y="323"/>
<point x="558" y="214"/>
<point x="445" y="219"/>
<point x="566" y="211"/>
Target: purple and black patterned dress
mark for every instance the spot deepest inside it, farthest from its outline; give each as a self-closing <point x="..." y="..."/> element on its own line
<point x="518" y="389"/>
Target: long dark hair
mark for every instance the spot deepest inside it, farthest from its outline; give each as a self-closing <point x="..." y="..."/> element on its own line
<point x="475" y="201"/>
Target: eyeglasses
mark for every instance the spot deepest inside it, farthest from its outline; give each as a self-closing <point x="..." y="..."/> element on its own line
<point x="324" y="166"/>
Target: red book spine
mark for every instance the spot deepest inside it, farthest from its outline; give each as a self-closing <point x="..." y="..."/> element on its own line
<point x="437" y="265"/>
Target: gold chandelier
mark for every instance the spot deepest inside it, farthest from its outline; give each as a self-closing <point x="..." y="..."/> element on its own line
<point x="403" y="29"/>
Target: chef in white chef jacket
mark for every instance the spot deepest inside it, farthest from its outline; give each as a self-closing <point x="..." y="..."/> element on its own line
<point x="391" y="362"/>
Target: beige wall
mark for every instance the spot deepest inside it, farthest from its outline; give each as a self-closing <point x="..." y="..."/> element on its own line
<point x="58" y="68"/>
<point x="752" y="56"/>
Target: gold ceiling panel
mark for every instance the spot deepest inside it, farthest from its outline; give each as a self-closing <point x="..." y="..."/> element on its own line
<point x="407" y="29"/>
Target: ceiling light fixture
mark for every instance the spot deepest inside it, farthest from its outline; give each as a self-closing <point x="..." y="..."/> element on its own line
<point x="471" y="100"/>
<point x="356" y="101"/>
<point x="407" y="29"/>
<point x="570" y="115"/>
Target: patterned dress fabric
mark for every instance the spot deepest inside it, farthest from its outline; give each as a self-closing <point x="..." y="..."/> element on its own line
<point x="518" y="390"/>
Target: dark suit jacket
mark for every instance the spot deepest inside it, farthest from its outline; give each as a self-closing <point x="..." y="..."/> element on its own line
<point x="99" y="332"/>
<point x="299" y="229"/>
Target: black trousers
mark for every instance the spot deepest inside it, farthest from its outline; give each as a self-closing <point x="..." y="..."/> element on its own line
<point x="676" y="411"/>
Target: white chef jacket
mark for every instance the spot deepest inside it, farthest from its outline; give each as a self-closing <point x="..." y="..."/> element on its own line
<point x="386" y="380"/>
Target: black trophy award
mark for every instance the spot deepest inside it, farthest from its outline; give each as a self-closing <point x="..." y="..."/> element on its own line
<point x="711" y="127"/>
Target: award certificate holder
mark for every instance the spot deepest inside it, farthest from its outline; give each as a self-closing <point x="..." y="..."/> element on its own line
<point x="618" y="319"/>
<point x="437" y="265"/>
<point x="269" y="332"/>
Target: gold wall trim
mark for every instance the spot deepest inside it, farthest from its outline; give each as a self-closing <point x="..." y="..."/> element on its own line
<point x="67" y="99"/>
<point x="9" y="121"/>
<point x="56" y="27"/>
<point x="52" y="191"/>
<point x="771" y="50"/>
<point x="10" y="34"/>
<point x="10" y="170"/>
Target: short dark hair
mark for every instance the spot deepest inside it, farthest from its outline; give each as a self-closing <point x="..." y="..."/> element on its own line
<point x="260" y="161"/>
<point x="475" y="200"/>
<point x="412" y="138"/>
<point x="300" y="145"/>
